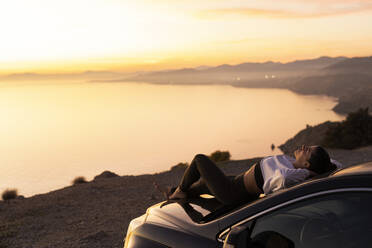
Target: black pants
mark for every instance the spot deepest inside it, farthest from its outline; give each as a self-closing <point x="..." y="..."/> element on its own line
<point x="204" y="177"/>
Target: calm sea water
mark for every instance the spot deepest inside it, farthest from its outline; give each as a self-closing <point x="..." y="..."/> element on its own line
<point x="52" y="133"/>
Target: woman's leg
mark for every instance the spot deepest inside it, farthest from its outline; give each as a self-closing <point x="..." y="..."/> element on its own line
<point x="198" y="188"/>
<point x="215" y="180"/>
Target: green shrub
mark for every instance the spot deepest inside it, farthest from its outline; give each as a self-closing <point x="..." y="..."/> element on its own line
<point x="219" y="156"/>
<point x="79" y="180"/>
<point x="9" y="194"/>
<point x="355" y="131"/>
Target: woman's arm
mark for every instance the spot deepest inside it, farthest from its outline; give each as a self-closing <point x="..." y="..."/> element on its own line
<point x="284" y="179"/>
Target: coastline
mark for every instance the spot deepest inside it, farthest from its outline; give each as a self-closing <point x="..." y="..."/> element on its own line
<point x="345" y="103"/>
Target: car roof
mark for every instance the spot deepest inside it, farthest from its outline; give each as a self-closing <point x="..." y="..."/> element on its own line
<point x="347" y="172"/>
<point x="361" y="169"/>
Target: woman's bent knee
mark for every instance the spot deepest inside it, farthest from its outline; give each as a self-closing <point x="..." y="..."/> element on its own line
<point x="200" y="156"/>
<point x="203" y="161"/>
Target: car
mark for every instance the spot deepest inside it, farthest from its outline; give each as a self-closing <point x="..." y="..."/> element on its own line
<point x="327" y="211"/>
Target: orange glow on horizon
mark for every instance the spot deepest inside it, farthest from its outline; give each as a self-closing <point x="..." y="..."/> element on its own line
<point x="118" y="65"/>
<point x="67" y="36"/>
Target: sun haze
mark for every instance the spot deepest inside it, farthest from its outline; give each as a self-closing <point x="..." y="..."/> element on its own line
<point x="72" y="36"/>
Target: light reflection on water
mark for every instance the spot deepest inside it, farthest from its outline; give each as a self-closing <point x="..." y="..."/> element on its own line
<point x="51" y="133"/>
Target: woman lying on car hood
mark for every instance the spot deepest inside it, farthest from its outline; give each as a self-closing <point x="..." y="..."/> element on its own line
<point x="269" y="175"/>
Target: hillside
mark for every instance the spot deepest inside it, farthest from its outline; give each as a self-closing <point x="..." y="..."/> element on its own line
<point x="91" y="215"/>
<point x="353" y="90"/>
<point x="350" y="80"/>
<point x="354" y="65"/>
<point x="314" y="135"/>
<point x="311" y="135"/>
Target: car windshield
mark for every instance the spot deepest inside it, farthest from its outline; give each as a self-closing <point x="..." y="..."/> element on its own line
<point x="207" y="208"/>
<point x="202" y="210"/>
<point x="220" y="209"/>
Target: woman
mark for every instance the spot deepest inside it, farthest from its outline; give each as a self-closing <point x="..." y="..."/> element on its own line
<point x="269" y="175"/>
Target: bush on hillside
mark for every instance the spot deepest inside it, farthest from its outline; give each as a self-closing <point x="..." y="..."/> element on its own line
<point x="106" y="174"/>
<point x="79" y="180"/>
<point x="355" y="131"/>
<point x="219" y="156"/>
<point x="9" y="194"/>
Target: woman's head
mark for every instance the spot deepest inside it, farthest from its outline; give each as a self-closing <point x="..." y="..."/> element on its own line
<point x="314" y="158"/>
<point x="320" y="162"/>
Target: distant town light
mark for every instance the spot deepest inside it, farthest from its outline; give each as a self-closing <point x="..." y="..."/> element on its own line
<point x="273" y="76"/>
<point x="266" y="76"/>
<point x="238" y="78"/>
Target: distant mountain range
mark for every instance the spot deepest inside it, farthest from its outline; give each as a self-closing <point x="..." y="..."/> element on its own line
<point x="352" y="65"/>
<point x="87" y="75"/>
<point x="309" y="64"/>
<point x="348" y="79"/>
<point x="242" y="72"/>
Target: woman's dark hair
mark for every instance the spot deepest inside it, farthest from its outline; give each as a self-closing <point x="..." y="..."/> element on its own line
<point x="320" y="161"/>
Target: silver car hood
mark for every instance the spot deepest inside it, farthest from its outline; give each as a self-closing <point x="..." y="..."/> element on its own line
<point x="185" y="215"/>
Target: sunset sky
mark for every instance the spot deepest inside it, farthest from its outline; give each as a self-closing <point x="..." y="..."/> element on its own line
<point x="121" y="35"/>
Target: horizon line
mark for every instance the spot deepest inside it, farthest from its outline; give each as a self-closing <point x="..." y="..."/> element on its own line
<point x="121" y="71"/>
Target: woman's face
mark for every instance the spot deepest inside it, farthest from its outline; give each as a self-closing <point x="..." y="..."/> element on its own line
<point x="303" y="154"/>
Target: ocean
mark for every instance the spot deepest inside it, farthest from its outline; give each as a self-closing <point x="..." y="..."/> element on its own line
<point x="52" y="132"/>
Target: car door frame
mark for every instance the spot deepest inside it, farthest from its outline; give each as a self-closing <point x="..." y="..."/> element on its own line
<point x="222" y="235"/>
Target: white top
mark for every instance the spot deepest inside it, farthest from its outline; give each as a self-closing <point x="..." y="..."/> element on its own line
<point x="338" y="164"/>
<point x="278" y="172"/>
